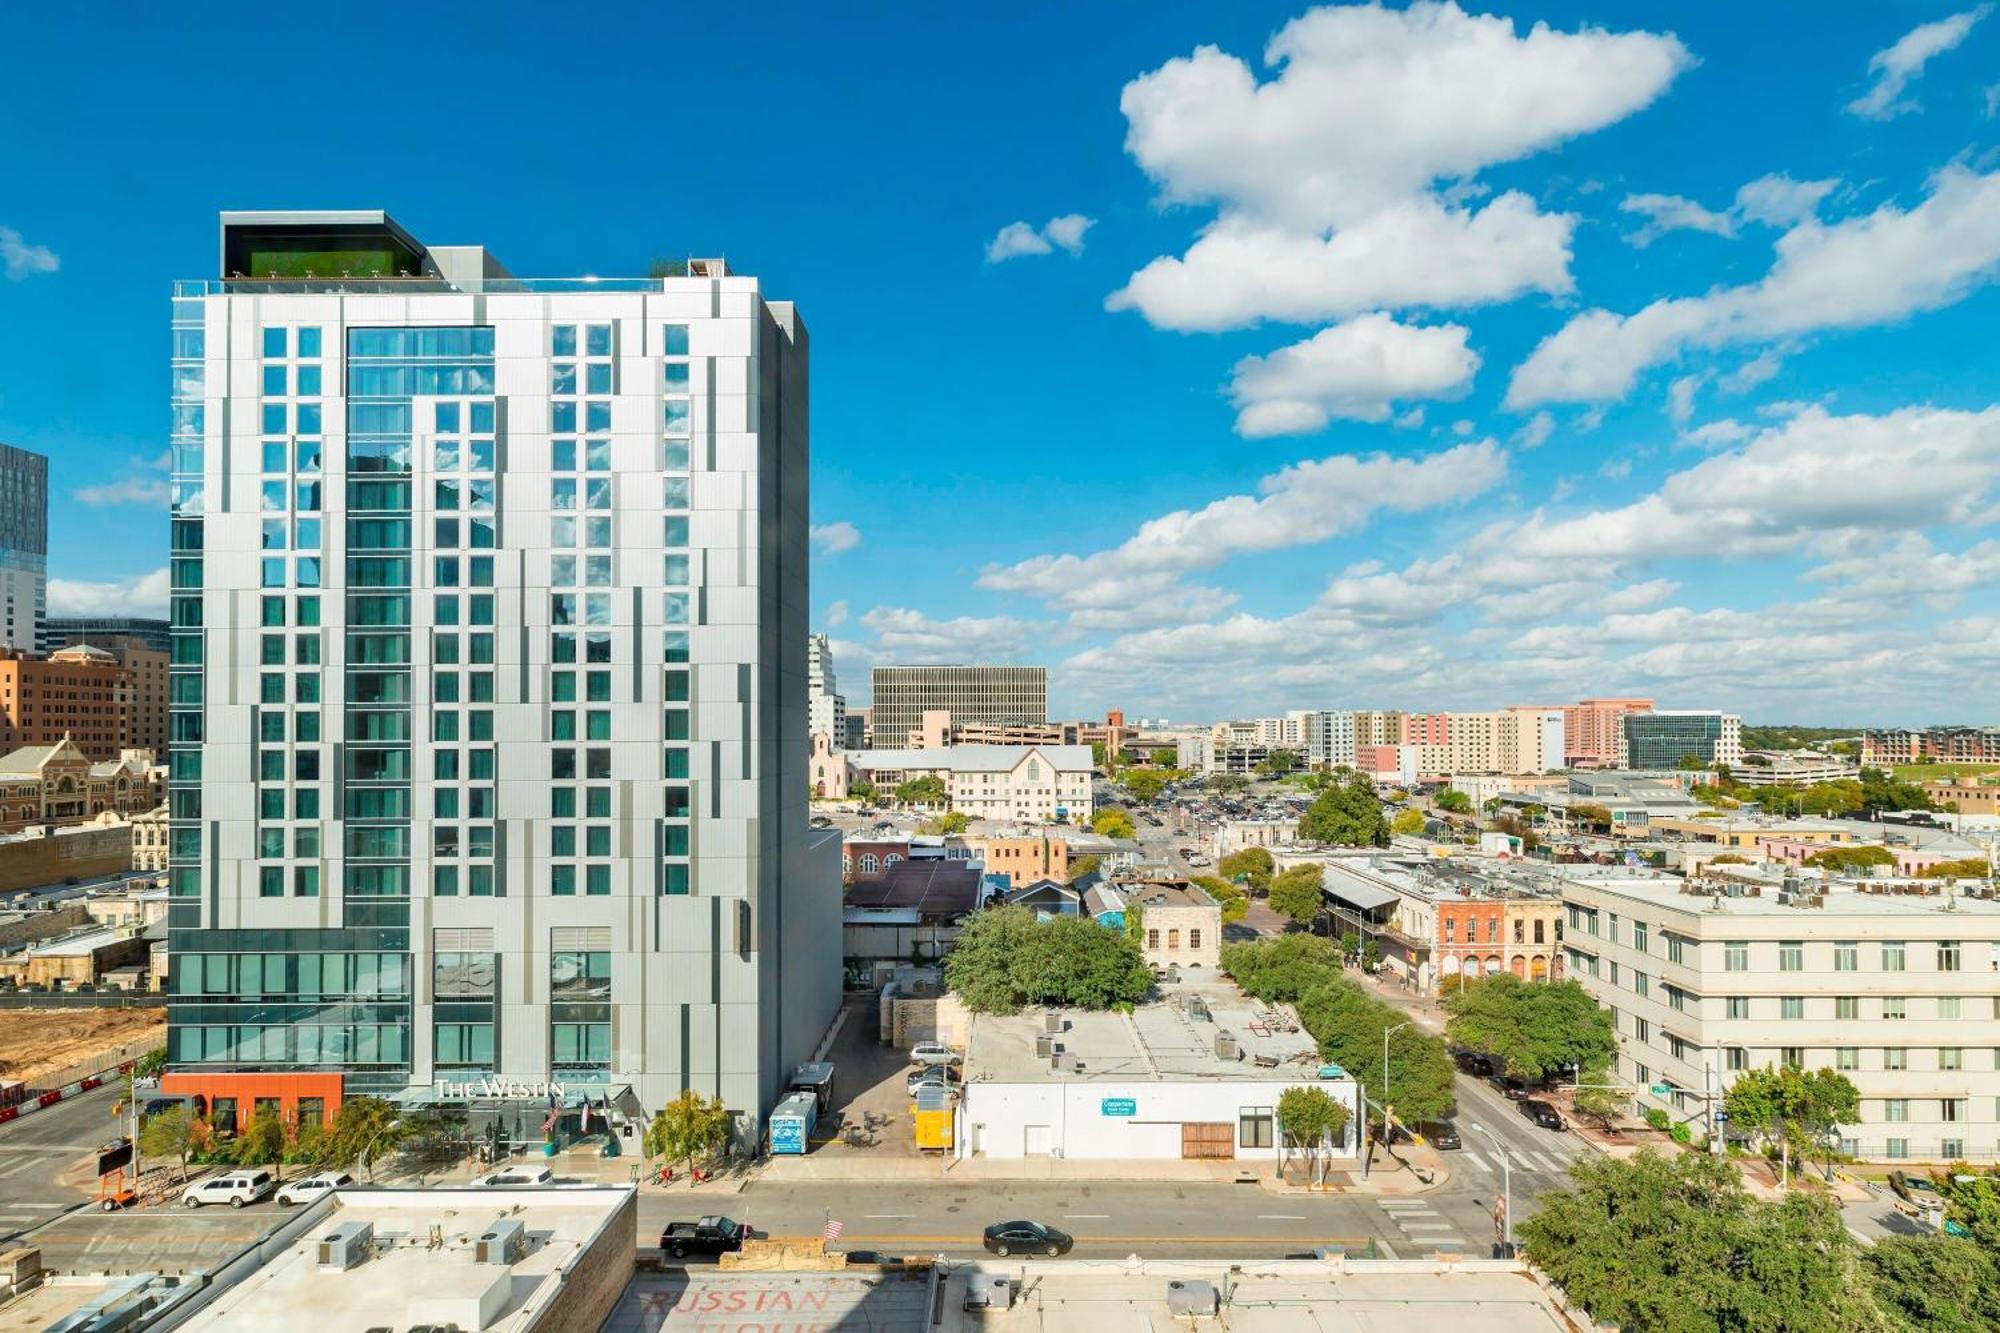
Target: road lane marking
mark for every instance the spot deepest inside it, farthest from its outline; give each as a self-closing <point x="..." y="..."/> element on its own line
<point x="1280" y="1217"/>
<point x="880" y="1217"/>
<point x="1428" y="1226"/>
<point x="1544" y="1163"/>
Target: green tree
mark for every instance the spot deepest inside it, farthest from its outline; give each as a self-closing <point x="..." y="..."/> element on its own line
<point x="1112" y="822"/>
<point x="1284" y="968"/>
<point x="1348" y="1023"/>
<point x="1847" y="860"/>
<point x="1297" y="893"/>
<point x="1278" y="763"/>
<point x="1005" y="959"/>
<point x="1829" y="799"/>
<point x="1453" y="800"/>
<point x="1590" y="816"/>
<point x="1881" y="790"/>
<point x="1083" y="868"/>
<point x="1097" y="754"/>
<point x="1312" y="1122"/>
<point x="170" y="1133"/>
<point x="1679" y="1246"/>
<point x="1407" y="823"/>
<point x="1599" y="1097"/>
<point x="1971" y="867"/>
<point x="1935" y="1284"/>
<point x="1346" y="814"/>
<point x="1253" y="865"/>
<point x="863" y="790"/>
<point x="951" y="821"/>
<point x="691" y="1128"/>
<point x="1972" y="1199"/>
<point x="1228" y="784"/>
<point x="262" y="1142"/>
<point x="926" y="790"/>
<point x="363" y="1130"/>
<point x="1235" y="905"/>
<point x="1535" y="1027"/>
<point x="1802" y="1110"/>
<point x="1145" y="784"/>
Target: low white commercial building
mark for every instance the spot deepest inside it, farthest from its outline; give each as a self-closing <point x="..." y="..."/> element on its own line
<point x="1792" y="768"/>
<point x="1195" y="1076"/>
<point x="1035" y="784"/>
<point x="1895" y="984"/>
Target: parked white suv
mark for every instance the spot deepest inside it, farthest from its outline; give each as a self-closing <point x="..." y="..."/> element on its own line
<point x="234" y="1188"/>
<point x="312" y="1188"/>
<point x="933" y="1053"/>
<point x="517" y="1175"/>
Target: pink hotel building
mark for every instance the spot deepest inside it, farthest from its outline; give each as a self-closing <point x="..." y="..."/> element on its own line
<point x="1591" y="729"/>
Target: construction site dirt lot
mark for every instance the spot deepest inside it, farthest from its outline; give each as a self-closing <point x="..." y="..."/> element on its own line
<point x="35" y="1043"/>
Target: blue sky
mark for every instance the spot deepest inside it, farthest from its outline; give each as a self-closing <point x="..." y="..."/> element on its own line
<point x="1439" y="359"/>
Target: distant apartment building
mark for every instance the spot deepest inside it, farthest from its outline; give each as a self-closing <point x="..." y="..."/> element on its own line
<point x="1525" y="739"/>
<point x="1664" y="739"/>
<point x="826" y="710"/>
<point x="103" y="631"/>
<point x="1968" y="797"/>
<point x="146" y="662"/>
<point x="1888" y="983"/>
<point x="82" y="693"/>
<point x="1591" y="729"/>
<point x="971" y="694"/>
<point x="24" y="549"/>
<point x="1932" y="745"/>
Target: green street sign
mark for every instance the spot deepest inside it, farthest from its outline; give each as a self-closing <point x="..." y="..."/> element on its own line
<point x="1662" y="1089"/>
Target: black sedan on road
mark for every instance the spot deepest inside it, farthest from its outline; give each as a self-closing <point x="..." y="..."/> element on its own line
<point x="1005" y="1238"/>
<point x="1541" y="1113"/>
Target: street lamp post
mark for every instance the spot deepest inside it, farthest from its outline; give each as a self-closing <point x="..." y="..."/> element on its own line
<point x="1506" y="1186"/>
<point x="375" y="1138"/>
<point x="1385" y="1078"/>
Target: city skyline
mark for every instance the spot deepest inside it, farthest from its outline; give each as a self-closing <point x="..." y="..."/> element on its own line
<point x="1603" y="412"/>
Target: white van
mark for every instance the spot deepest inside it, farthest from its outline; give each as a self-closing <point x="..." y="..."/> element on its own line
<point x="234" y="1188"/>
<point x="516" y="1175"/>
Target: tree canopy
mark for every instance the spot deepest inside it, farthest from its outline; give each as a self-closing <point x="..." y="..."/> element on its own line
<point x="690" y="1128"/>
<point x="1228" y="784"/>
<point x="1535" y="1027"/>
<point x="1235" y="903"/>
<point x="1005" y="959"/>
<point x="1407" y="822"/>
<point x="1937" y="1284"/>
<point x="1971" y="867"/>
<point x="1254" y="865"/>
<point x="951" y="821"/>
<point x="926" y="790"/>
<point x="1145" y="784"/>
<point x="1801" y="1109"/>
<point x="1297" y="894"/>
<point x="1278" y="763"/>
<point x="1450" y="798"/>
<point x="1346" y="814"/>
<point x="1843" y="860"/>
<point x="1113" y="823"/>
<point x="1679" y="1246"/>
<point x="1312" y="1122"/>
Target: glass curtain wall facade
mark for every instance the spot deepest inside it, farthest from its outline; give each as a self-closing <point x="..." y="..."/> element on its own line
<point x="24" y="549"/>
<point x="488" y="686"/>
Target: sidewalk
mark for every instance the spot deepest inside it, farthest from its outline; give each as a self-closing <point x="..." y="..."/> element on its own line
<point x="1388" y="1178"/>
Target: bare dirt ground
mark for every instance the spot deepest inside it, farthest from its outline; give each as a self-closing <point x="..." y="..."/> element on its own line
<point x="34" y="1042"/>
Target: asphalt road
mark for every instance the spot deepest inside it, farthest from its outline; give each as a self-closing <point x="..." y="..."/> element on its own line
<point x="38" y="1148"/>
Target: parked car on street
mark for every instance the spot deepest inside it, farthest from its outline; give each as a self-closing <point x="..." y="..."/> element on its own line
<point x="1513" y="1089"/>
<point x="1442" y="1135"/>
<point x="1913" y="1189"/>
<point x="235" y="1188"/>
<point x="1005" y="1238"/>
<point x="710" y="1235"/>
<point x="934" y="1053"/>
<point x="1541" y="1113"/>
<point x="311" y="1189"/>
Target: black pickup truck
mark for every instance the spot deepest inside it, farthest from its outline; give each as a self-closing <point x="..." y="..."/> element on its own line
<point x="711" y="1236"/>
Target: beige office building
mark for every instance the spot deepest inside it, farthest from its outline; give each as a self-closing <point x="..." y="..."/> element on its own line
<point x="1004" y="695"/>
<point x="1891" y="983"/>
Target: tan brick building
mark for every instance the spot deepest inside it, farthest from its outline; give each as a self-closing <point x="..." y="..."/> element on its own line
<point x="82" y="693"/>
<point x="1178" y="924"/>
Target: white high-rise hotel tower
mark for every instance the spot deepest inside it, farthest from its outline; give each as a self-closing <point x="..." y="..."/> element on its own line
<point x="489" y="606"/>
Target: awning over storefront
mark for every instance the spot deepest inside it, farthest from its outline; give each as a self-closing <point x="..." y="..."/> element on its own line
<point x="1365" y="897"/>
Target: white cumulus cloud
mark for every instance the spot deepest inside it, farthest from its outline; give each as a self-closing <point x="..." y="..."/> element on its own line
<point x="1355" y="371"/>
<point x="126" y="491"/>
<point x="1894" y="66"/>
<point x="20" y="259"/>
<point x="140" y="595"/>
<point x="1864" y="270"/>
<point x="833" y="538"/>
<point x="1022" y="238"/>
<point x="1325" y="176"/>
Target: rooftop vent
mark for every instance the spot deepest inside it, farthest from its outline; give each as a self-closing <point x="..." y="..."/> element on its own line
<point x="1226" y="1047"/>
<point x="1052" y="1021"/>
<point x="1193" y="1298"/>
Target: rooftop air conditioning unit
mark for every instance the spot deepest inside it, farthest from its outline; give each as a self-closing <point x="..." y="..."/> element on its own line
<point x="1226" y="1047"/>
<point x="989" y="1291"/>
<point x="346" y="1245"/>
<point x="1193" y="1299"/>
<point x="503" y="1242"/>
<point x="1045" y="1045"/>
<point x="1063" y="1063"/>
<point x="1052" y="1021"/>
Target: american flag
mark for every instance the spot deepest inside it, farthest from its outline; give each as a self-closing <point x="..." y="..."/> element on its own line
<point x="831" y="1231"/>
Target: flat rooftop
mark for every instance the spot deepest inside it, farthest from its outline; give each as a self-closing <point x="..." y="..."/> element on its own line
<point x="1391" y="1297"/>
<point x="703" y="1300"/>
<point x="1163" y="1040"/>
<point x="1840" y="897"/>
<point x="424" y="1269"/>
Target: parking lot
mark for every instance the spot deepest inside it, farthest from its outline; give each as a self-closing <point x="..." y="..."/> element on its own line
<point x="871" y="1102"/>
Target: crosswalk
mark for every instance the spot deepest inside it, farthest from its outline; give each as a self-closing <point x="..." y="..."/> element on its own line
<point x="1422" y="1226"/>
<point x="1488" y="1161"/>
